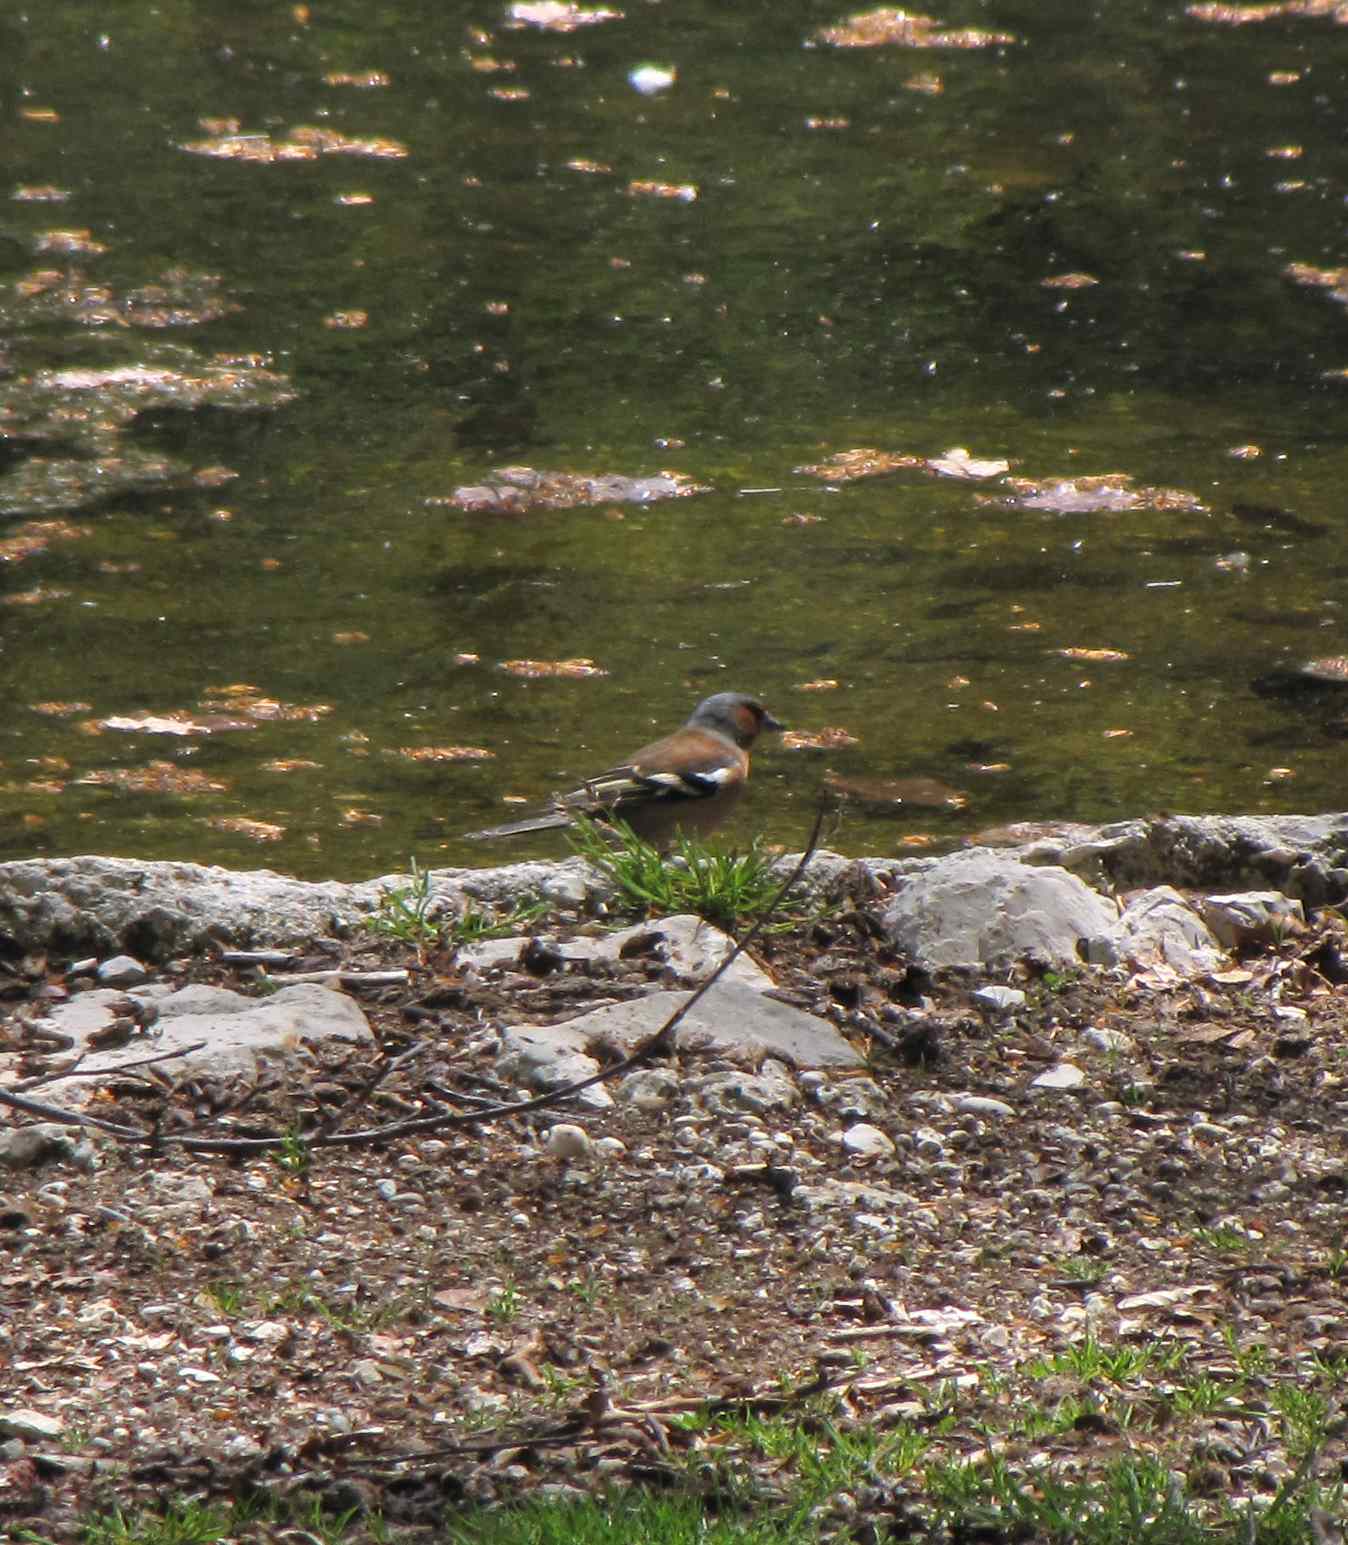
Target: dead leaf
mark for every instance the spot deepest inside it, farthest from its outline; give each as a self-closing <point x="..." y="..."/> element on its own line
<point x="571" y="669"/>
<point x="363" y="80"/>
<point x="957" y="462"/>
<point x="445" y="753"/>
<point x="830" y="739"/>
<point x="1092" y="656"/>
<point x="239" y="825"/>
<point x="173" y="724"/>
<point x="902" y="29"/>
<point x="683" y="192"/>
<point x="155" y="778"/>
<point x="557" y="15"/>
<point x="848" y="466"/>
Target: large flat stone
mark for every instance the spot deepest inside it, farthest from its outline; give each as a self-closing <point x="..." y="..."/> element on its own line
<point x="987" y="909"/>
<point x="730" y="1020"/>
<point x="238" y="1032"/>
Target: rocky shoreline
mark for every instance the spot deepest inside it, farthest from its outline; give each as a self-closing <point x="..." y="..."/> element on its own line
<point x="90" y="905"/>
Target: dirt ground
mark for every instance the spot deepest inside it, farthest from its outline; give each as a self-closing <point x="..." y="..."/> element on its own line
<point x="412" y="1327"/>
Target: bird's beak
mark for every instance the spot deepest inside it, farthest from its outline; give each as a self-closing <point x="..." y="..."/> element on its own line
<point x="769" y="723"/>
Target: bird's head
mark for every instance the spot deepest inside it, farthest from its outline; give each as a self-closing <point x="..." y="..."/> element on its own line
<point x="734" y="714"/>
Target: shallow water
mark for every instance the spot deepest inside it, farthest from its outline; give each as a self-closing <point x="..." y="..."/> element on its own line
<point x="863" y="265"/>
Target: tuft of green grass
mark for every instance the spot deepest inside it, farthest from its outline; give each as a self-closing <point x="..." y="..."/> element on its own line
<point x="1225" y="1239"/>
<point x="503" y="1306"/>
<point x="181" y="1523"/>
<point x="292" y="1155"/>
<point x="404" y="914"/>
<point x="1252" y="1360"/>
<point x="721" y="886"/>
<point x="627" y="1518"/>
<point x="1090" y="1359"/>
<point x="473" y="924"/>
<point x="1083" y="1268"/>
<point x="228" y="1297"/>
<point x="413" y="914"/>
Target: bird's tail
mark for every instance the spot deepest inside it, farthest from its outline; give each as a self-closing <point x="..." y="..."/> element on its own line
<point x="540" y="821"/>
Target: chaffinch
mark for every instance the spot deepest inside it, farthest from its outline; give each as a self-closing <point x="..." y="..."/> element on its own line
<point x="688" y="781"/>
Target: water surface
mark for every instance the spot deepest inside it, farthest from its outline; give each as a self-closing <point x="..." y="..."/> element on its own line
<point x="863" y="265"/>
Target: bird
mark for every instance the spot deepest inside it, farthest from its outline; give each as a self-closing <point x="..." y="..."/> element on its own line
<point x="687" y="781"/>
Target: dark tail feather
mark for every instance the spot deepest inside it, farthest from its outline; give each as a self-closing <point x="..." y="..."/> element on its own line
<point x="547" y="821"/>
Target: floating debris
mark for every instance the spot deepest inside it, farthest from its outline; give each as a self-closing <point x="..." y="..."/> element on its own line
<point x="957" y="462"/>
<point x="68" y="243"/>
<point x="39" y="595"/>
<point x="1111" y="492"/>
<point x="518" y="490"/>
<point x="156" y="778"/>
<point x="1248" y="15"/>
<point x="35" y="536"/>
<point x="1333" y="281"/>
<point x="362" y="80"/>
<point x="267" y="710"/>
<point x="902" y="29"/>
<point x="39" y="485"/>
<point x="571" y="669"/>
<point x="832" y="738"/>
<point x="851" y="466"/>
<point x="1093" y="656"/>
<point x="651" y="79"/>
<point x="306" y="142"/>
<point x="181" y="297"/>
<point x="557" y="15"/>
<point x="445" y="753"/>
<point x="243" y="826"/>
<point x="1076" y="281"/>
<point x="681" y="192"/>
<point x="172" y="724"/>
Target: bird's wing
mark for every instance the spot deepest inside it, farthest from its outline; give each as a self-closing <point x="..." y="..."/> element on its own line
<point x="707" y="764"/>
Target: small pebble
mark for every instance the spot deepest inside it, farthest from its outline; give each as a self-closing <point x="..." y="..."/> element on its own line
<point x="122" y="971"/>
<point x="1065" y="1076"/>
<point x="1107" y="1040"/>
<point x="982" y="1105"/>
<point x="999" y="1000"/>
<point x="32" y="1426"/>
<point x="387" y="1189"/>
<point x="864" y="1141"/>
<point x="565" y="1141"/>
